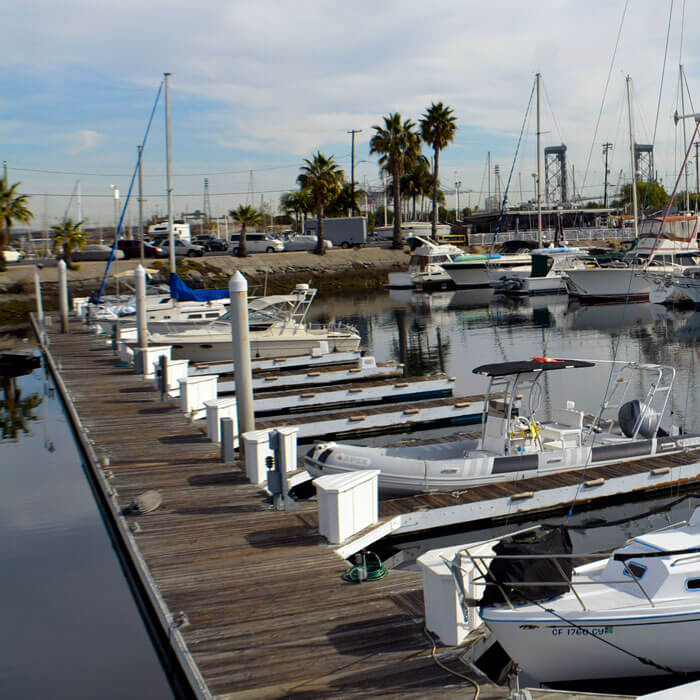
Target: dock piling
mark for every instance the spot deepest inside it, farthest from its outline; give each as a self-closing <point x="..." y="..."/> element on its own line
<point x="141" y="320"/>
<point x="63" y="294"/>
<point x="243" y="373"/>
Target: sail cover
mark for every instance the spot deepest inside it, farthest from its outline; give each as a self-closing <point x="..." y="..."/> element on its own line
<point x="181" y="292"/>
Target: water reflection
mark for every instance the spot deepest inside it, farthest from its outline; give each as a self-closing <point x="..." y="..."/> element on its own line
<point x="16" y="410"/>
<point x="73" y="628"/>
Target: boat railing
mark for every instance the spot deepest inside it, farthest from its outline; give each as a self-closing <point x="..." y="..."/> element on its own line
<point x="481" y="563"/>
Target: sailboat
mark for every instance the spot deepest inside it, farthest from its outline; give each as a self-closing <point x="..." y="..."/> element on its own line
<point x="661" y="244"/>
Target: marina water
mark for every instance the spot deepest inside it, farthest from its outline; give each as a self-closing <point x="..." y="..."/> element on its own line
<point x="70" y="626"/>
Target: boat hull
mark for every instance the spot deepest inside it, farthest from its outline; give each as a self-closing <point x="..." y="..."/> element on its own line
<point x="479" y="273"/>
<point x="551" y="650"/>
<point x="608" y="284"/>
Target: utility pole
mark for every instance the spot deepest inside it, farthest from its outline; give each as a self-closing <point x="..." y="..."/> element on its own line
<point x="606" y="148"/>
<point x="4" y="171"/>
<point x="140" y="150"/>
<point x="539" y="163"/>
<point x="458" y="184"/>
<point x="352" y="171"/>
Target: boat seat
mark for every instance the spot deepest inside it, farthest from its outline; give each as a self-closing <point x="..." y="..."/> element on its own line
<point x="565" y="427"/>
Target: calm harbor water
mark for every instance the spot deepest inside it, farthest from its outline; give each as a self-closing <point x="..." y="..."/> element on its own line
<point x="457" y="331"/>
<point x="70" y="626"/>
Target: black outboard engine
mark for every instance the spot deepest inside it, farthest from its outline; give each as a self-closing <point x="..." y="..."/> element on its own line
<point x="629" y="414"/>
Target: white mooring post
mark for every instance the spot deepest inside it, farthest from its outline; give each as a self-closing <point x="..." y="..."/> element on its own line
<point x="63" y="294"/>
<point x="141" y="321"/>
<point x="242" y="373"/>
<point x="37" y="292"/>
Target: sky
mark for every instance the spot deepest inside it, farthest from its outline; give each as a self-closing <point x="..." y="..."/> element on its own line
<point x="259" y="86"/>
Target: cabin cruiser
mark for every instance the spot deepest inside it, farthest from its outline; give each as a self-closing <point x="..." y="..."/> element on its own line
<point x="546" y="274"/>
<point x="661" y="242"/>
<point x="632" y="613"/>
<point x="515" y="442"/>
<point x="425" y="266"/>
<point x="476" y="270"/>
<point x="278" y="328"/>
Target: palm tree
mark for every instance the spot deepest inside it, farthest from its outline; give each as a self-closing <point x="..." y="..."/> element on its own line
<point x="417" y="182"/>
<point x="300" y="203"/>
<point x="69" y="236"/>
<point x="246" y="216"/>
<point x="323" y="178"/>
<point x="347" y="199"/>
<point x="437" y="126"/>
<point x="16" y="411"/>
<point x="398" y="146"/>
<point x="13" y="207"/>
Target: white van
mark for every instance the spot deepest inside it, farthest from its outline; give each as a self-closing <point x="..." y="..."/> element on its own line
<point x="257" y="243"/>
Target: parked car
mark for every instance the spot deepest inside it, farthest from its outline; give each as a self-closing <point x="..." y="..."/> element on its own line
<point x="12" y="254"/>
<point x="257" y="243"/>
<point x="210" y="243"/>
<point x="305" y="242"/>
<point x="183" y="248"/>
<point x="95" y="251"/>
<point x="132" y="249"/>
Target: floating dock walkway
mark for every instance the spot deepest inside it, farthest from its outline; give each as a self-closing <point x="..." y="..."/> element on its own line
<point x="250" y="598"/>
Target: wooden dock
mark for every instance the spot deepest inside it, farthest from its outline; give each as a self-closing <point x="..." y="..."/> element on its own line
<point x="255" y="594"/>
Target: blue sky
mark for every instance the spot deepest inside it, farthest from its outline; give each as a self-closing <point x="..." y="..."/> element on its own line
<point x="261" y="85"/>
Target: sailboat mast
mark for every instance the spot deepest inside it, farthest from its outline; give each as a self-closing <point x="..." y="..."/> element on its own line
<point x="539" y="164"/>
<point x="685" y="138"/>
<point x="632" y="158"/>
<point x="169" y="186"/>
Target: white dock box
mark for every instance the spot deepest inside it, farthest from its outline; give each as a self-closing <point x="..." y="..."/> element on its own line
<point x="347" y="503"/>
<point x="444" y="615"/>
<point x="256" y="445"/>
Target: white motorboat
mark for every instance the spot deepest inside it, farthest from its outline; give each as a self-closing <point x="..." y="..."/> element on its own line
<point x="545" y="276"/>
<point x="477" y="270"/>
<point x="514" y="443"/>
<point x="278" y="328"/>
<point x="676" y="287"/>
<point x="661" y="251"/>
<point x="634" y="613"/>
<point x="689" y="284"/>
<point x="425" y="266"/>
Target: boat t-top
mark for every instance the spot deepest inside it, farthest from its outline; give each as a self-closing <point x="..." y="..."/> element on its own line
<point x="516" y="442"/>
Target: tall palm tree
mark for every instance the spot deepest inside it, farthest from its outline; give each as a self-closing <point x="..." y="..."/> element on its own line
<point x="246" y="216"/>
<point x="323" y="178"/>
<point x="398" y="145"/>
<point x="69" y="236"/>
<point x="300" y="203"/>
<point x="417" y="182"/>
<point x="13" y="207"/>
<point x="437" y="126"/>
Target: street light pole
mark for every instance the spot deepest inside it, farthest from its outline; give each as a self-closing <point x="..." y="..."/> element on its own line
<point x="352" y="171"/>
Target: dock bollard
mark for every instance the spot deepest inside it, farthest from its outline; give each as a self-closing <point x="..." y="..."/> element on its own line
<point x="227" y="450"/>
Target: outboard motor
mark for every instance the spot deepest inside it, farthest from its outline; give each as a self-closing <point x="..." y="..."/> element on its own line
<point x="629" y="414"/>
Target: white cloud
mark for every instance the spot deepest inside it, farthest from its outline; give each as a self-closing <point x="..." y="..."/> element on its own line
<point x="83" y="140"/>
